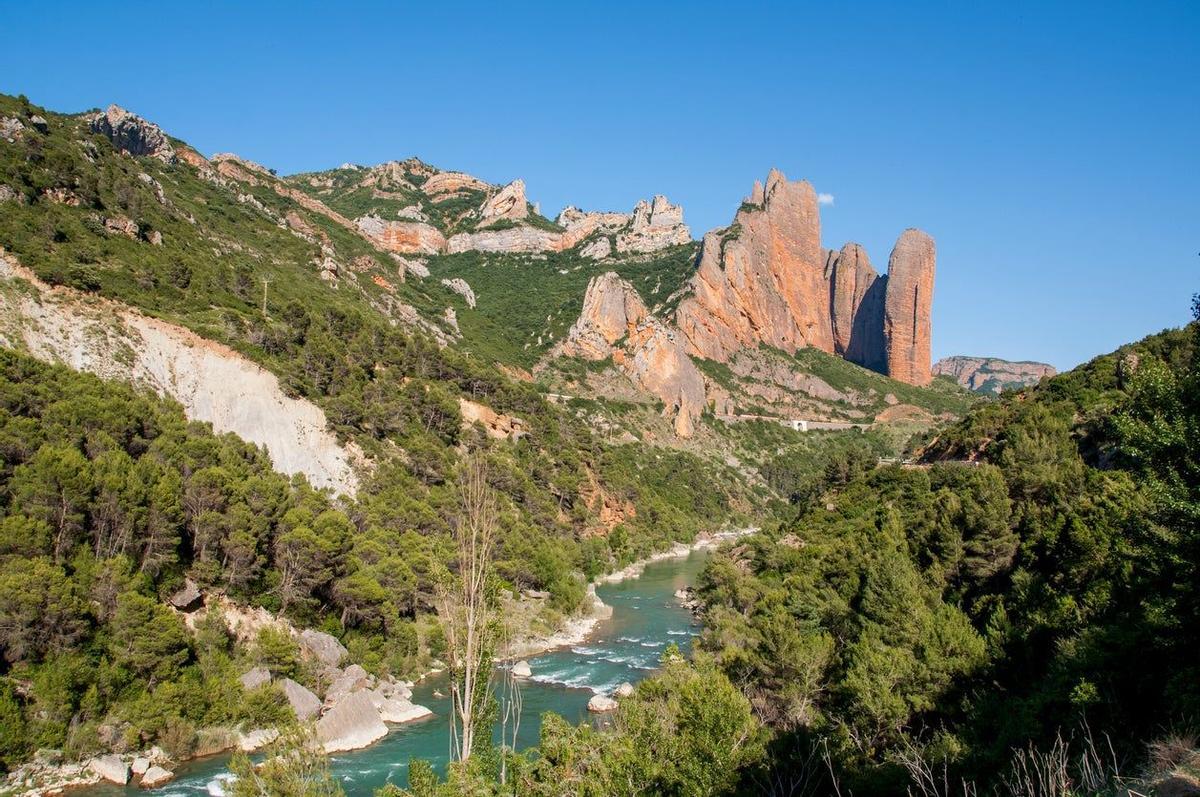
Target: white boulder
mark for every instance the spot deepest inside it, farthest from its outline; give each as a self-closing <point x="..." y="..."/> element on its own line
<point x="111" y="768"/>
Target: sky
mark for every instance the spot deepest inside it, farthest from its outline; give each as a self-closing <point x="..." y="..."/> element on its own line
<point x="1052" y="148"/>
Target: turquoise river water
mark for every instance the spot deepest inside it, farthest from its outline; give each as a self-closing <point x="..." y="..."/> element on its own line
<point x="646" y="618"/>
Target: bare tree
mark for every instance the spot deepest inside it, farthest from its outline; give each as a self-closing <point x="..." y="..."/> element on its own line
<point x="511" y="701"/>
<point x="466" y="608"/>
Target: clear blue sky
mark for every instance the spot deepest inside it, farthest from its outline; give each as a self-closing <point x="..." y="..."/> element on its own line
<point x="1052" y="149"/>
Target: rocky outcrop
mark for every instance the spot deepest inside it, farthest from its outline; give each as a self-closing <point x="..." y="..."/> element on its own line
<point x="508" y="203"/>
<point x="601" y="704"/>
<point x="522" y="669"/>
<point x="213" y="382"/>
<point x="652" y="226"/>
<point x="445" y="185"/>
<point x="992" y="374"/>
<point x="353" y="723"/>
<point x="513" y="239"/>
<point x="462" y="288"/>
<point x="908" y="308"/>
<point x="655" y="225"/>
<point x="132" y="134"/>
<point x="597" y="249"/>
<point x="615" y="323"/>
<point x="766" y="280"/>
<point x="495" y="424"/>
<point x="403" y="237"/>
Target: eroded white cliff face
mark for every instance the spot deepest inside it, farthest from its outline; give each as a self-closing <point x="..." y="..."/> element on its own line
<point x="213" y="382"/>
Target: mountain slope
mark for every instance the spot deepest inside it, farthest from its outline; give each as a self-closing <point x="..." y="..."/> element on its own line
<point x="1031" y="576"/>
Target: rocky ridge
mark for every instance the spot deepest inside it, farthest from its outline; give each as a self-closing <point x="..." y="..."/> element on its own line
<point x="992" y="374"/>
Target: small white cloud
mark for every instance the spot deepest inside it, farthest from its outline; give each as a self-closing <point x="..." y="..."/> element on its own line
<point x="825" y="199"/>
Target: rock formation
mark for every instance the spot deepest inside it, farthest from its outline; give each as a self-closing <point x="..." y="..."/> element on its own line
<point x="462" y="288"/>
<point x="991" y="374"/>
<point x="305" y="705"/>
<point x="652" y="226"/>
<point x="856" y="307"/>
<point x="353" y="723"/>
<point x="445" y="185"/>
<point x="404" y="237"/>
<point x="908" y="306"/>
<point x="132" y="134"/>
<point x="655" y="225"/>
<point x="615" y="323"/>
<point x="508" y="203"/>
<point x="766" y="280"/>
<point x="513" y="239"/>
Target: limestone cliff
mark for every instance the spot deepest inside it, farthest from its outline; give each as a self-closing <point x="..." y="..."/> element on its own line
<point x="992" y="374"/>
<point x="766" y="280"/>
<point x="212" y="382"/>
<point x="615" y="323"/>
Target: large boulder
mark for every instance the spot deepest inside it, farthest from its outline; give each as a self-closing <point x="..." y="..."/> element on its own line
<point x="303" y="702"/>
<point x="601" y="704"/>
<point x="187" y="597"/>
<point x="255" y="678"/>
<point x="323" y="647"/>
<point x="522" y="669"/>
<point x="111" y="768"/>
<point x="398" y="710"/>
<point x="352" y="679"/>
<point x="257" y="739"/>
<point x="351" y="724"/>
<point x="155" y="776"/>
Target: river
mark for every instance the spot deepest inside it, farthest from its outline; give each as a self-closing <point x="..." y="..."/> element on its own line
<point x="627" y="647"/>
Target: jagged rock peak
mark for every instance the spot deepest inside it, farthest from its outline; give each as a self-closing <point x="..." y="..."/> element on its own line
<point x="615" y="323"/>
<point x="508" y="203"/>
<point x="655" y="225"/>
<point x="132" y="134"/>
<point x="612" y="309"/>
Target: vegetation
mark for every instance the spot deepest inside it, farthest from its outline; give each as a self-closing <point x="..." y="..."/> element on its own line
<point x="109" y="498"/>
<point x="968" y="607"/>
<point x="525" y="304"/>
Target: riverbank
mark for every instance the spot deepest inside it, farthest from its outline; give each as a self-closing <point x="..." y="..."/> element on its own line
<point x="627" y="650"/>
<point x="576" y="630"/>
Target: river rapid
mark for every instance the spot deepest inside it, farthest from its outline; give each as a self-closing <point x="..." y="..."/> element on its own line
<point x="646" y="618"/>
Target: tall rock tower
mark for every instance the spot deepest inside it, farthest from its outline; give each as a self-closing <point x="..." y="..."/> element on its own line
<point x="907" y="313"/>
<point x="766" y="280"/>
